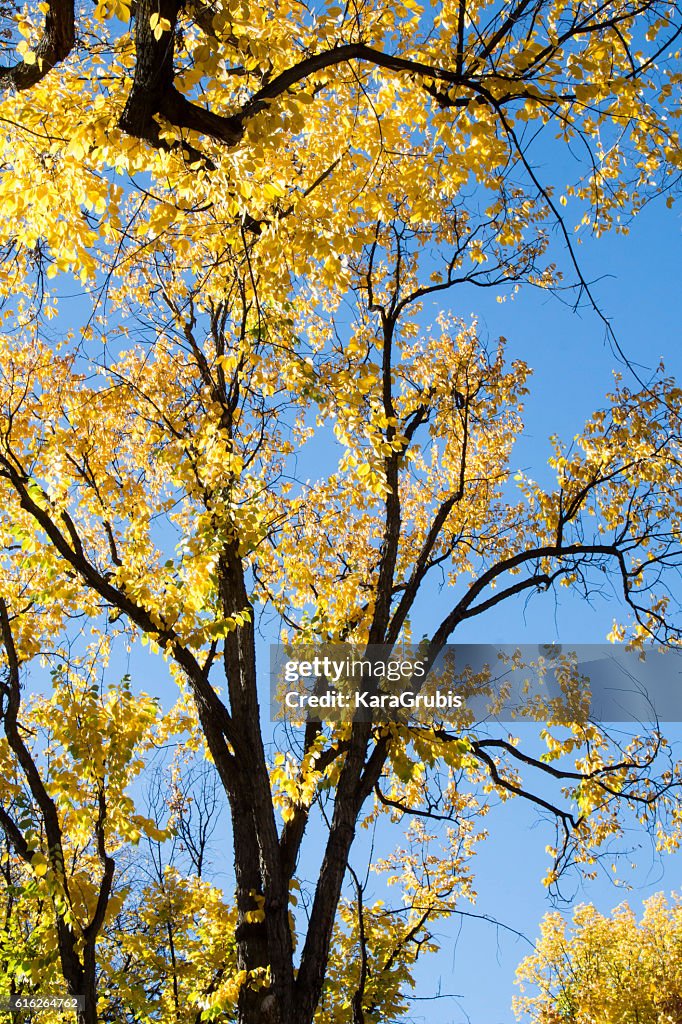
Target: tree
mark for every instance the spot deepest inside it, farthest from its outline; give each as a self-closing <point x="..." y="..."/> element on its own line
<point x="607" y="968"/>
<point x="258" y="203"/>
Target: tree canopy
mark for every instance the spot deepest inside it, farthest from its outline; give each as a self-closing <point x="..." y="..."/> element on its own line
<point x="255" y="203"/>
<point x="612" y="969"/>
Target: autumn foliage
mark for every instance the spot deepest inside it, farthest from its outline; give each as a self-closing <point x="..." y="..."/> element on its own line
<point x="614" y="969"/>
<point x="251" y="413"/>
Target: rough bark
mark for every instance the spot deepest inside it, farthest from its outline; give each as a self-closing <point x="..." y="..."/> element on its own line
<point x="56" y="44"/>
<point x="153" y="92"/>
<point x="260" y="880"/>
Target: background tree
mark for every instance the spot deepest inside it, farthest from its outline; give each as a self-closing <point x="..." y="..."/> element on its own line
<point x="258" y="203"/>
<point x="606" y="968"/>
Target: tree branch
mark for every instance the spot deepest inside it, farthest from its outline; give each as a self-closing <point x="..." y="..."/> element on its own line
<point x="57" y="41"/>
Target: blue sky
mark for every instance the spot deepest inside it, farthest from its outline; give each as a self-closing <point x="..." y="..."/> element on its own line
<point x="573" y="366"/>
<point x="636" y="285"/>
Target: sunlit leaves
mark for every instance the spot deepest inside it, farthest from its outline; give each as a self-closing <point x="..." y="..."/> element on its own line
<point x="614" y="969"/>
<point x="255" y="419"/>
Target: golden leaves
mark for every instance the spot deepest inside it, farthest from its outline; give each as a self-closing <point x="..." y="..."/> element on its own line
<point x="159" y="25"/>
<point x="269" y="391"/>
<point x="610" y="969"/>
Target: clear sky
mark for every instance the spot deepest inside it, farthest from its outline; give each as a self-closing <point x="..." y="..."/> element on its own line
<point x="573" y="365"/>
